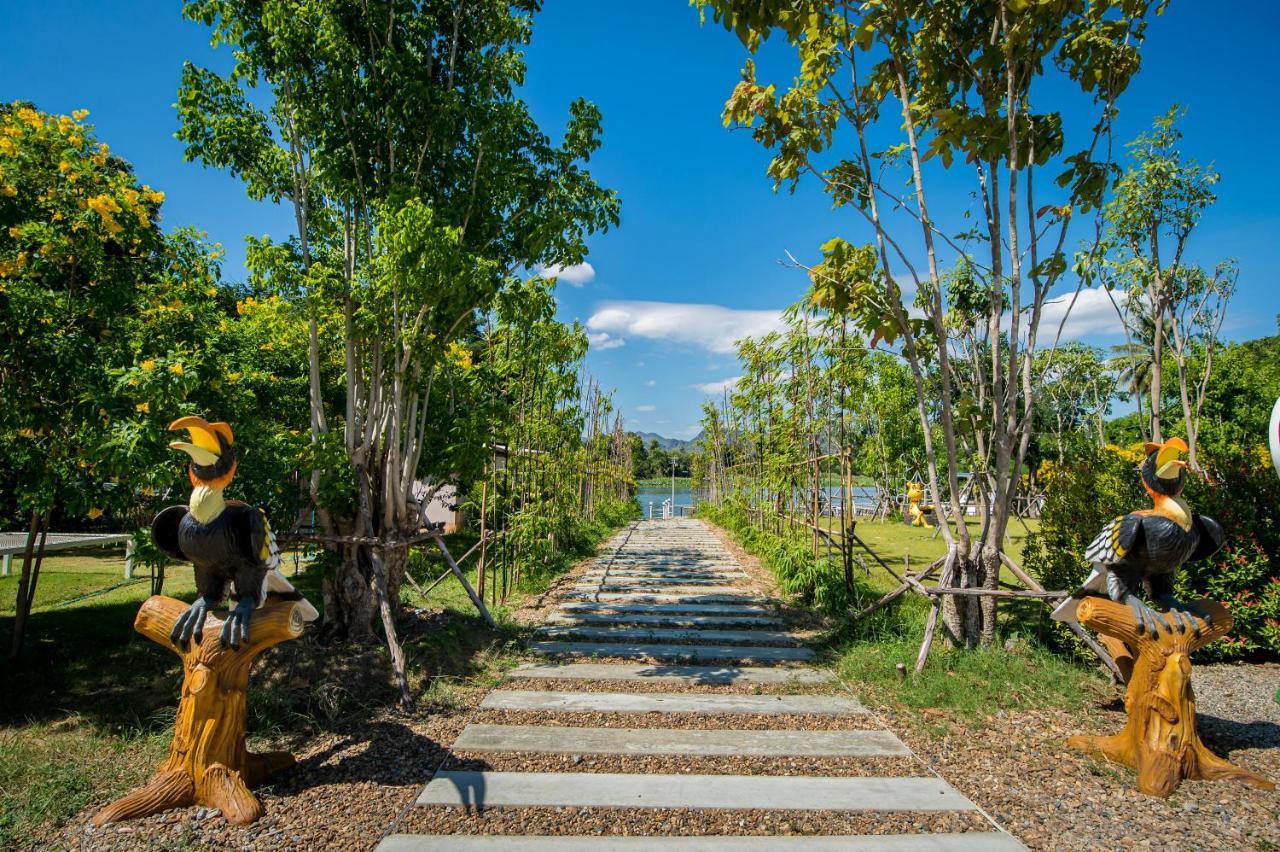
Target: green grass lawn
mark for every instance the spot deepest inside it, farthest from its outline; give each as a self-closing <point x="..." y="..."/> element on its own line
<point x="88" y="711"/>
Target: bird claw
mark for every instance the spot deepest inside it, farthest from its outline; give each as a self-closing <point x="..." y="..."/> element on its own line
<point x="190" y="624"/>
<point x="236" y="628"/>
<point x="1186" y="615"/>
<point x="1147" y="618"/>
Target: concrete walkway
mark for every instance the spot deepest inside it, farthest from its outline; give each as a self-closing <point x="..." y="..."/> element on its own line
<point x="587" y="746"/>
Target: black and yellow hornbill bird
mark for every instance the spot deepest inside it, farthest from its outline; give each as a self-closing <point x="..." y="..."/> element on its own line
<point x="1148" y="547"/>
<point x="228" y="542"/>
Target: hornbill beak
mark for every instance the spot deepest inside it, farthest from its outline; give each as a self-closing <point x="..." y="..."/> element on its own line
<point x="204" y="447"/>
<point x="1168" y="461"/>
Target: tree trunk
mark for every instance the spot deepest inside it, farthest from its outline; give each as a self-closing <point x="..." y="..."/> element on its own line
<point x="208" y="764"/>
<point x="1160" y="740"/>
<point x="32" y="558"/>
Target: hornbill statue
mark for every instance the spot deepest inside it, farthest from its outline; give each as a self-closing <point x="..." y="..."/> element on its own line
<point x="1149" y="546"/>
<point x="228" y="542"/>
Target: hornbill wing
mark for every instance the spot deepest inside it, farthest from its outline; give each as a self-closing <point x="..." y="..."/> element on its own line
<point x="1116" y="541"/>
<point x="1110" y="547"/>
<point x="164" y="531"/>
<point x="1211" y="537"/>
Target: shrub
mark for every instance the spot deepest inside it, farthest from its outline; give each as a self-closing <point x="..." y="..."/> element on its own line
<point x="1099" y="484"/>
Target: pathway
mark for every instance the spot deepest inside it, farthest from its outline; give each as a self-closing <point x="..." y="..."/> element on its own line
<point x="674" y="707"/>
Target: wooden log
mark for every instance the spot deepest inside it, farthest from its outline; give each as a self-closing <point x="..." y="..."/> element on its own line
<point x="208" y="763"/>
<point x="1160" y="741"/>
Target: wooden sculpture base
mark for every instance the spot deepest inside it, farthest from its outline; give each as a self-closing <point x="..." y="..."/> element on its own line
<point x="1160" y="740"/>
<point x="208" y="764"/>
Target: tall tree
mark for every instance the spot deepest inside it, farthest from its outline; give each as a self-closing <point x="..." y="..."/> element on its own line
<point x="902" y="91"/>
<point x="420" y="184"/>
<point x="1157" y="205"/>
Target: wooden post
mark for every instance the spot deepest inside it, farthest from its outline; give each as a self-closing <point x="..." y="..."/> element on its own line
<point x="1160" y="740"/>
<point x="462" y="578"/>
<point x="208" y="764"/>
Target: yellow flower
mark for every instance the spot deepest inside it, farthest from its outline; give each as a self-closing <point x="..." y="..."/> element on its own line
<point x="176" y="369"/>
<point x="10" y="191"/>
<point x="149" y="491"/>
<point x="103" y="205"/>
<point x="148" y="365"/>
<point x="94" y="513"/>
<point x="7" y="146"/>
<point x="212" y="291"/>
<point x="15" y="232"/>
<point x="31" y="117"/>
<point x="64" y="167"/>
<point x="28" y="432"/>
<point x="144" y="407"/>
<point x="233" y="377"/>
<point x="80" y="114"/>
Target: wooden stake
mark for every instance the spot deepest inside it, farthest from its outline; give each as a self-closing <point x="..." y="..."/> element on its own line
<point x="208" y="764"/>
<point x="1160" y="740"/>
<point x="462" y="578"/>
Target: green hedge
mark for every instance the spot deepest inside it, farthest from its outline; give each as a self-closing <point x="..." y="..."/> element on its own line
<point x="1100" y="483"/>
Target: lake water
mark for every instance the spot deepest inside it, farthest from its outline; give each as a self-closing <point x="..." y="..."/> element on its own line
<point x="864" y="498"/>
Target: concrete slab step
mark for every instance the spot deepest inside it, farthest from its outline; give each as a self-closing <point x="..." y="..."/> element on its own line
<point x="671" y="702"/>
<point x="663" y="634"/>
<point x="689" y="675"/>
<point x="976" y="841"/>
<point x="672" y="620"/>
<point x="705" y="609"/>
<point x="666" y="597"/>
<point x="659" y="586"/>
<point x="565" y="740"/>
<point x="687" y="653"/>
<point x="619" y="790"/>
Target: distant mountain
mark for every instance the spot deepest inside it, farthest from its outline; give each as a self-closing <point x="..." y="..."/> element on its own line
<point x="665" y="442"/>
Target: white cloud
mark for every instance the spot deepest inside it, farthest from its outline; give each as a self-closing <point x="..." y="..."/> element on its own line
<point x="712" y="327"/>
<point x="718" y="387"/>
<point x="574" y="276"/>
<point x="603" y="340"/>
<point x="651" y="383"/>
<point x="1091" y="315"/>
<point x="646" y="408"/>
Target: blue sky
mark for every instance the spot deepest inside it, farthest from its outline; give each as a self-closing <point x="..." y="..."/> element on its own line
<point x="696" y="260"/>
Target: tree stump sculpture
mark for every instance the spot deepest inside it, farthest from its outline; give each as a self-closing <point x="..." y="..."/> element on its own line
<point x="1160" y="741"/>
<point x="208" y="764"/>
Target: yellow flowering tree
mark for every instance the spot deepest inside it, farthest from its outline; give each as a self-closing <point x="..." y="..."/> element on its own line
<point x="77" y="232"/>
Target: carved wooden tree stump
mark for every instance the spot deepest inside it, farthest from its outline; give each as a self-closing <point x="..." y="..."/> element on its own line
<point x="1160" y="740"/>
<point x="208" y="764"/>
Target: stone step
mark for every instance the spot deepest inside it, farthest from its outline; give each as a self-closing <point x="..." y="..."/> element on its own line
<point x="622" y="583"/>
<point x="665" y="597"/>
<point x="710" y="587"/>
<point x="687" y="675"/>
<point x="690" y="653"/>
<point x="564" y="740"/>
<point x="750" y="792"/>
<point x="686" y="621"/>
<point x="666" y="575"/>
<point x="670" y="702"/>
<point x="659" y="634"/>
<point x="975" y="841"/>
<point x="705" y="609"/>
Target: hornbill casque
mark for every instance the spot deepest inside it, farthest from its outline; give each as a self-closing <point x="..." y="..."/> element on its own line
<point x="1149" y="546"/>
<point x="228" y="542"/>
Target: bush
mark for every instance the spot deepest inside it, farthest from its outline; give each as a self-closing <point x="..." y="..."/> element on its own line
<point x="1099" y="484"/>
<point x="811" y="580"/>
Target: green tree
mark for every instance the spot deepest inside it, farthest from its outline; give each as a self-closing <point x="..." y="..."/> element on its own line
<point x="80" y="249"/>
<point x="420" y="184"/>
<point x="889" y="94"/>
<point x="1157" y="205"/>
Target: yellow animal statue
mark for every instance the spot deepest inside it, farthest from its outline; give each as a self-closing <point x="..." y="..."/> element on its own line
<point x="915" y="512"/>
